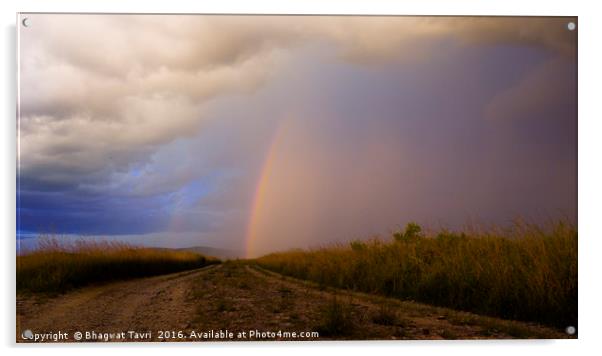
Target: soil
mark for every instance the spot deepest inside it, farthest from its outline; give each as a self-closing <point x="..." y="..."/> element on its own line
<point x="241" y="302"/>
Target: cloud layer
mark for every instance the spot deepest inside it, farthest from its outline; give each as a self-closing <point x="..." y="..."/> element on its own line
<point x="155" y="113"/>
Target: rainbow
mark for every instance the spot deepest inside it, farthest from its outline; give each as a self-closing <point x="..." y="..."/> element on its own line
<point x="259" y="196"/>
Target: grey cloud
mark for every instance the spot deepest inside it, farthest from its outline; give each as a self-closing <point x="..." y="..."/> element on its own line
<point x="102" y="91"/>
<point x="162" y="123"/>
<point x="552" y="85"/>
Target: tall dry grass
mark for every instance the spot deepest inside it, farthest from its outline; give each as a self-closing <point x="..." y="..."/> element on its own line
<point x="56" y="266"/>
<point x="524" y="273"/>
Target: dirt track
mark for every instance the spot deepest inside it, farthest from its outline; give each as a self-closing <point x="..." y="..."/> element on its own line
<point x="237" y="298"/>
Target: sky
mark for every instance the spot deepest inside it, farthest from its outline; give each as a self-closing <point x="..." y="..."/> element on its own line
<point x="265" y="133"/>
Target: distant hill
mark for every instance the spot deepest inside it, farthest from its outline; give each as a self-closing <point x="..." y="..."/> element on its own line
<point x="212" y="251"/>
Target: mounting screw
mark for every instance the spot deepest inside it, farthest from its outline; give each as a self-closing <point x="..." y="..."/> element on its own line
<point x="571" y="26"/>
<point x="570" y="330"/>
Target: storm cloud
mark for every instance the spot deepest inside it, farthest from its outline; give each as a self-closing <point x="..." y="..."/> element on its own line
<point x="144" y="124"/>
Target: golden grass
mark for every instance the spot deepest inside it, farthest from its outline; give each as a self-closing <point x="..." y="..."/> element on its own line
<point x="58" y="266"/>
<point x="524" y="273"/>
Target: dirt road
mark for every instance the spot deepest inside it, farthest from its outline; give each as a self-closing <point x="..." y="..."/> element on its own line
<point x="237" y="302"/>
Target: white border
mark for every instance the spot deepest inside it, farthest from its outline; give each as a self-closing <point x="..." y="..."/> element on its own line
<point x="590" y="167"/>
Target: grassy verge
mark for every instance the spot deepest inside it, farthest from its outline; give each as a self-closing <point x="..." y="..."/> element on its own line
<point x="526" y="273"/>
<point x="56" y="267"/>
<point x="336" y="319"/>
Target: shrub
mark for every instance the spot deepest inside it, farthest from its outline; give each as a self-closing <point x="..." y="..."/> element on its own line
<point x="412" y="232"/>
<point x="336" y="319"/>
<point x="525" y="273"/>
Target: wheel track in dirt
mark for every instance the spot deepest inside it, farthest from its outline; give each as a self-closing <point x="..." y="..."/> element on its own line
<point x="240" y="297"/>
<point x="137" y="305"/>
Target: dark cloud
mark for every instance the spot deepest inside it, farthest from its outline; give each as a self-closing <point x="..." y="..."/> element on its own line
<point x="372" y="150"/>
<point x="163" y="123"/>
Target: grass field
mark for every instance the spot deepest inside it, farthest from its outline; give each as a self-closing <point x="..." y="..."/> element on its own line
<point x="525" y="273"/>
<point x="56" y="267"/>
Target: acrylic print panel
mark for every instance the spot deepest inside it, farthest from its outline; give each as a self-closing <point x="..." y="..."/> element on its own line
<point x="240" y="178"/>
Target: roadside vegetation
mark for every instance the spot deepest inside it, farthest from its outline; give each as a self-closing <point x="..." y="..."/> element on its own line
<point x="524" y="273"/>
<point x="56" y="266"/>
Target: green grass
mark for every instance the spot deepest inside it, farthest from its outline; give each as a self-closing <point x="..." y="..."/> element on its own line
<point x="56" y="267"/>
<point x="525" y="273"/>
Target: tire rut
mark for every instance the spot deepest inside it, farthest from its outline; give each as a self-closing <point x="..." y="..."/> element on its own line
<point x="137" y="305"/>
<point x="238" y="297"/>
